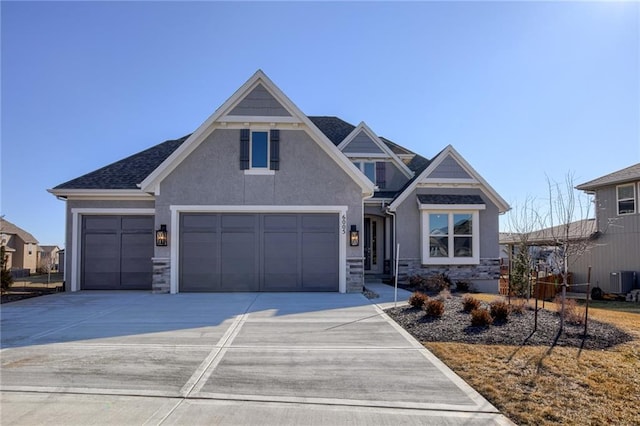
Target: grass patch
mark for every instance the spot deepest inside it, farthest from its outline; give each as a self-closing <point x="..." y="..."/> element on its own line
<point x="537" y="385"/>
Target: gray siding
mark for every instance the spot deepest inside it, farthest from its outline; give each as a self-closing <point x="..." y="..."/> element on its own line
<point x="261" y="103"/>
<point x="449" y="169"/>
<point x="362" y="144"/>
<point x="394" y="176"/>
<point x="211" y="176"/>
<point x="618" y="247"/>
<point x="408" y="225"/>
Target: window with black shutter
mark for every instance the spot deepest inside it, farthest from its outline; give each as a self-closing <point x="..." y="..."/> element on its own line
<point x="381" y="180"/>
<point x="244" y="149"/>
<point x="274" y="157"/>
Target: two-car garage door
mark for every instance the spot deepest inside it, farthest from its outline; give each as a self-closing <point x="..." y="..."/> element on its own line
<point x="258" y="252"/>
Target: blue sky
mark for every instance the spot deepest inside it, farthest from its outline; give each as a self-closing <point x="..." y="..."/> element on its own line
<point x="522" y="90"/>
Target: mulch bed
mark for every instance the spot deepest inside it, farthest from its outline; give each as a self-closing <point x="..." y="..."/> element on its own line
<point x="455" y="326"/>
<point x="15" y="295"/>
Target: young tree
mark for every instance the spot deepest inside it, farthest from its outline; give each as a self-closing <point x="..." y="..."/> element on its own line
<point x="523" y="219"/>
<point x="569" y="227"/>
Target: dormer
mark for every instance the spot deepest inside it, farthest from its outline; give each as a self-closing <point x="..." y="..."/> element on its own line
<point x="375" y="159"/>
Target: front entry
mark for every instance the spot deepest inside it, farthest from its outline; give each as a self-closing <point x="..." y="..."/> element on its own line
<point x="373" y="244"/>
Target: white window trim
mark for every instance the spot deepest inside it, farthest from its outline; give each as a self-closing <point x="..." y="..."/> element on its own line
<point x="474" y="210"/>
<point x="259" y="170"/>
<point x="635" y="199"/>
<point x="360" y="166"/>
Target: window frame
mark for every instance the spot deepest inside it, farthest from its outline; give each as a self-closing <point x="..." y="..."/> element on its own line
<point x="634" y="198"/>
<point x="360" y="164"/>
<point x="450" y="211"/>
<point x="259" y="170"/>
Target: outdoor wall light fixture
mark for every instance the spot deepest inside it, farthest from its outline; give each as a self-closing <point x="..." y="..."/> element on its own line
<point x="354" y="236"/>
<point x="161" y="236"/>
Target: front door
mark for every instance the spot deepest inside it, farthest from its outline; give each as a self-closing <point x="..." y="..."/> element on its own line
<point x="373" y="244"/>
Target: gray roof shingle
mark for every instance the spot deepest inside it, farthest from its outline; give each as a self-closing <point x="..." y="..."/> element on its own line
<point x="128" y="172"/>
<point x="449" y="199"/>
<point x="628" y="174"/>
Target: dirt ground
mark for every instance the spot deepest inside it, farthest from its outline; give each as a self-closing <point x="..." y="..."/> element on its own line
<point x="33" y="286"/>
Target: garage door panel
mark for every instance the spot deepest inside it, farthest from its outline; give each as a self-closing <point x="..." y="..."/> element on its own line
<point x="199" y="267"/>
<point x="260" y="252"/>
<point x="116" y="252"/>
<point x="136" y="268"/>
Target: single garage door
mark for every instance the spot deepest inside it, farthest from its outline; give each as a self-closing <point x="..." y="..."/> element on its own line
<point x="117" y="252"/>
<point x="258" y="252"/>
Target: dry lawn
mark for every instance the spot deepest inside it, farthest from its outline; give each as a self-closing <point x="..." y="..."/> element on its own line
<point x="535" y="385"/>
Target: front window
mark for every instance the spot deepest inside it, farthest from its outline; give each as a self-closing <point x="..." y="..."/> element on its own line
<point x="626" y="199"/>
<point x="451" y="237"/>
<point x="259" y="150"/>
<point x="368" y="168"/>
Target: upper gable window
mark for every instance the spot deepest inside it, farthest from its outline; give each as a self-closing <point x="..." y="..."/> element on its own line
<point x="259" y="151"/>
<point x="626" y="199"/>
<point x="375" y="171"/>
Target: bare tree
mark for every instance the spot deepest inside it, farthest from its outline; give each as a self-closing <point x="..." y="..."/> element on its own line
<point x="569" y="228"/>
<point x="523" y="219"/>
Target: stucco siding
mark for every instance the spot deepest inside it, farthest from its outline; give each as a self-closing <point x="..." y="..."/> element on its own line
<point x="260" y="102"/>
<point x="211" y="176"/>
<point x="449" y="169"/>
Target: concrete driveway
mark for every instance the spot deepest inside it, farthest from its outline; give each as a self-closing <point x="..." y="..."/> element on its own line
<point x="242" y="358"/>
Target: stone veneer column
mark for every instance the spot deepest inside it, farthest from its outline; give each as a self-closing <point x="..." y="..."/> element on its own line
<point x="161" y="280"/>
<point x="355" y="275"/>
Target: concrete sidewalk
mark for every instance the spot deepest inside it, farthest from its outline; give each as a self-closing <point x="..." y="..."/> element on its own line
<point x="235" y="358"/>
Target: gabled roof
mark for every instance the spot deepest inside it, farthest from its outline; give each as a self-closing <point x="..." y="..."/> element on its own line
<point x="334" y="128"/>
<point x="629" y="174"/>
<point x="378" y="143"/>
<point x="126" y="173"/>
<point x="9" y="228"/>
<point x="228" y="114"/>
<point x="474" y="179"/>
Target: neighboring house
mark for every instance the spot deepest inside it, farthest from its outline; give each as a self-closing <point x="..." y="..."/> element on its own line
<point x="48" y="260"/>
<point x="617" y="227"/>
<point x="21" y="247"/>
<point x="262" y="197"/>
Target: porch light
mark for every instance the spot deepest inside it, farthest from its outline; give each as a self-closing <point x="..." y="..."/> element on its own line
<point x="354" y="236"/>
<point x="161" y="236"/>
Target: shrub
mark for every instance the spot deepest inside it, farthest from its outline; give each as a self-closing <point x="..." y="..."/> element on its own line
<point x="434" y="307"/>
<point x="6" y="278"/>
<point x="417" y="299"/>
<point x="481" y="317"/>
<point x="416" y="281"/>
<point x="463" y="286"/>
<point x="573" y="314"/>
<point x="499" y="310"/>
<point x="470" y="303"/>
<point x="438" y="282"/>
